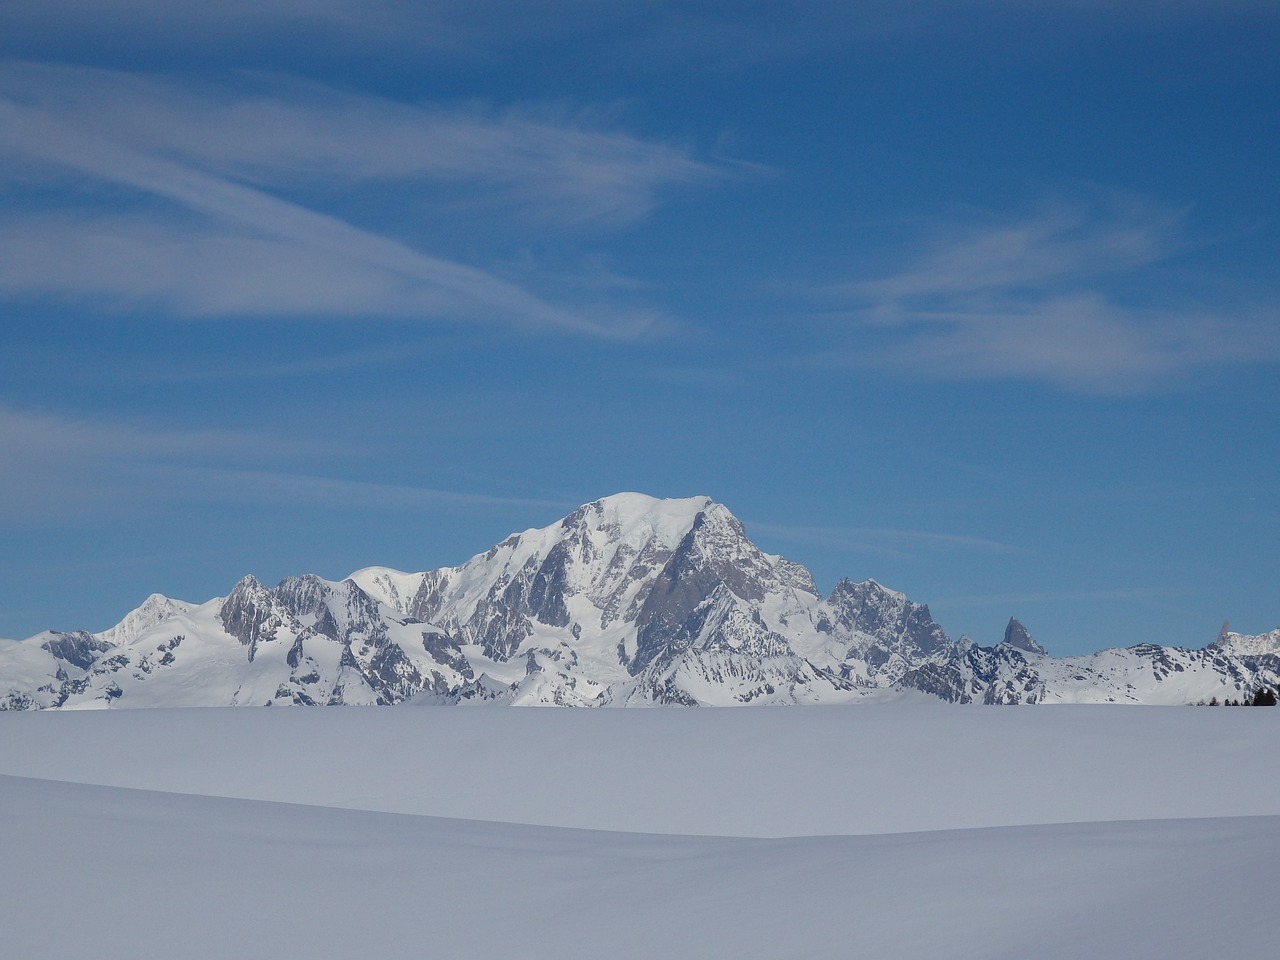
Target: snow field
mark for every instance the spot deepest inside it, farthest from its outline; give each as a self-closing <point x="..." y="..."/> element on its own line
<point x="760" y="772"/>
<point x="903" y="830"/>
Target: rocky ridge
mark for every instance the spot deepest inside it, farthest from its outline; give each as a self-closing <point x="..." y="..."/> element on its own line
<point x="627" y="601"/>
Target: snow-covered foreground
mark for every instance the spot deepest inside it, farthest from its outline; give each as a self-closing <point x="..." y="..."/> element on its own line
<point x="117" y="873"/>
<point x="762" y="772"/>
<point x="895" y="830"/>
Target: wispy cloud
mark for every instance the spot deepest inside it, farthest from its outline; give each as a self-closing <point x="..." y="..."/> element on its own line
<point x="228" y="243"/>
<point x="1044" y="298"/>
<point x="244" y="13"/>
<point x="257" y="256"/>
<point x="144" y="24"/>
<point x="1009" y="256"/>
<point x="33" y="435"/>
<point x="301" y="490"/>
<point x="1110" y="595"/>
<point x="277" y="369"/>
<point x="709" y="30"/>
<point x="880" y="540"/>
<point x="58" y="467"/>
<point x="549" y="163"/>
<point x="451" y="288"/>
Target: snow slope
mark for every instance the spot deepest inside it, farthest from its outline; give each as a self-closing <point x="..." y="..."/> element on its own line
<point x="202" y="877"/>
<point x="755" y="772"/>
<point x="120" y="872"/>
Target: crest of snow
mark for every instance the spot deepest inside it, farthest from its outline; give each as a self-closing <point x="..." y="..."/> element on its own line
<point x="24" y="667"/>
<point x="1239" y="643"/>
<point x="890" y="593"/>
<point x="635" y="517"/>
<point x="155" y="609"/>
<point x="595" y="534"/>
<point x="395" y="588"/>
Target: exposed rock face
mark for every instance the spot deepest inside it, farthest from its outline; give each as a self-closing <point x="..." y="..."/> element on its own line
<point x="1266" y="644"/>
<point x="79" y="649"/>
<point x="1016" y="636"/>
<point x="626" y="601"/>
<point x="251" y="614"/>
<point x="883" y="632"/>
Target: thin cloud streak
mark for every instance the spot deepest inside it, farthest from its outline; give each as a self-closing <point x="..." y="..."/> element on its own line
<point x="297" y="367"/>
<point x="58" y="467"/>
<point x="547" y="165"/>
<point x="27" y="436"/>
<point x="1119" y="595"/>
<point x="882" y="540"/>
<point x="229" y="247"/>
<point x="309" y="490"/>
<point x="243" y="15"/>
<point x="202" y="269"/>
<point x="1041" y="299"/>
<point x="460" y="289"/>
<point x="64" y="469"/>
<point x="733" y="34"/>
<point x="1004" y="257"/>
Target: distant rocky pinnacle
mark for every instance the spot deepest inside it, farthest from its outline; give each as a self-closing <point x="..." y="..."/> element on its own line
<point x="1016" y="636"/>
<point x="628" y="601"/>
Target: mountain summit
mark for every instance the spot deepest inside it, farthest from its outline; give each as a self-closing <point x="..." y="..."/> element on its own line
<point x="1016" y="636"/>
<point x="628" y="600"/>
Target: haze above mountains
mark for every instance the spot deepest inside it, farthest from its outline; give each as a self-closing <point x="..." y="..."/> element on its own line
<point x="628" y="600"/>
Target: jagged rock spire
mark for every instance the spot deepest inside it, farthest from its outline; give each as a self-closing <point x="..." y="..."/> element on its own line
<point x="1016" y="635"/>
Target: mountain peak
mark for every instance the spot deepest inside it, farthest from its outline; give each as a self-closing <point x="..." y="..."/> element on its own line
<point x="1018" y="637"/>
<point x="874" y="586"/>
<point x="867" y="589"/>
<point x="895" y="623"/>
<point x="1243" y="644"/>
<point x="632" y="503"/>
<point x="154" y="610"/>
<point x="637" y="516"/>
<point x="628" y="600"/>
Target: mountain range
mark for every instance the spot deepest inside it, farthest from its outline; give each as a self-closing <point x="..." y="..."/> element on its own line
<point x="628" y="601"/>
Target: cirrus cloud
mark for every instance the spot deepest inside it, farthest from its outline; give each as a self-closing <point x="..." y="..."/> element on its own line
<point x="1045" y="298"/>
<point x="235" y="231"/>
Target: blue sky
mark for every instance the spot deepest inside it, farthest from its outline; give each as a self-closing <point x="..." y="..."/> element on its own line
<point x="975" y="298"/>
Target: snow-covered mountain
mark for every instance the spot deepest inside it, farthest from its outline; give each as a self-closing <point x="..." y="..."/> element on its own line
<point x="627" y="601"/>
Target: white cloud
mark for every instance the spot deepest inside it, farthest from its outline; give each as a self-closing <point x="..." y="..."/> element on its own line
<point x="227" y="242"/>
<point x="548" y="164"/>
<point x="458" y="287"/>
<point x="60" y="468"/>
<point x="1116" y="594"/>
<point x="1005" y="256"/>
<point x="196" y="269"/>
<point x="35" y="436"/>
<point x="308" y="490"/>
<point x="1043" y="298"/>
<point x="881" y="540"/>
<point x="208" y="268"/>
<point x="197" y="25"/>
<point x="734" y="33"/>
<point x="66" y="469"/>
